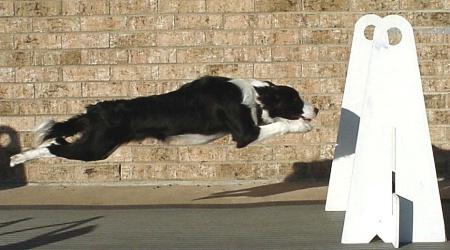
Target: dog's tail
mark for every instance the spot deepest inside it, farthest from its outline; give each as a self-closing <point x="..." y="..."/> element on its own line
<point x="49" y="129"/>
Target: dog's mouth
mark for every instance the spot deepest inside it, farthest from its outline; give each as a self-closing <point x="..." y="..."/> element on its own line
<point x="306" y="119"/>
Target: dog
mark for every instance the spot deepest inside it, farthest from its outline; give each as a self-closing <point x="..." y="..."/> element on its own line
<point x="198" y="112"/>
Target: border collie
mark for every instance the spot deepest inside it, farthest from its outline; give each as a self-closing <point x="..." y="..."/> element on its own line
<point x="198" y="112"/>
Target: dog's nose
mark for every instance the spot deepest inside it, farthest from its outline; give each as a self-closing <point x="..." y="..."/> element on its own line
<point x="316" y="110"/>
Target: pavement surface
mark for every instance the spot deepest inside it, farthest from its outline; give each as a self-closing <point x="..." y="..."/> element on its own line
<point x="164" y="215"/>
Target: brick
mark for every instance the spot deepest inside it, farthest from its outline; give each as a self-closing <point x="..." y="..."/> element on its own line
<point x="136" y="171"/>
<point x="438" y="117"/>
<point x="16" y="24"/>
<point x="9" y="107"/>
<point x="181" y="71"/>
<point x="327" y="119"/>
<point x="202" y="153"/>
<point x="335" y="36"/>
<point x="151" y="88"/>
<point x="180" y="38"/>
<point x="247" y="21"/>
<point x="153" y="55"/>
<point x="156" y="153"/>
<point x="135" y="72"/>
<point x="230" y="70"/>
<point x="295" y="20"/>
<point x="53" y="90"/>
<point x="431" y="68"/>
<point x="295" y="54"/>
<point x="57" y="57"/>
<point x="438" y="134"/>
<point x="435" y="84"/>
<point x="249" y="153"/>
<point x="337" y="20"/>
<point x="85" y="40"/>
<point x="43" y="107"/>
<point x="332" y="5"/>
<point x="56" y="24"/>
<point x="433" y="52"/>
<point x="376" y="5"/>
<point x="435" y="101"/>
<point x="304" y="153"/>
<point x="86" y="73"/>
<point x="7" y="75"/>
<point x="233" y="171"/>
<point x="332" y="85"/>
<point x="133" y="7"/>
<point x="37" y="8"/>
<point x="99" y="7"/>
<point x="15" y="59"/>
<point x="51" y="173"/>
<point x="324" y="69"/>
<point x="429" y="35"/>
<point x="422" y="4"/>
<point x="69" y="173"/>
<point x="247" y="54"/>
<point x="38" y="41"/>
<point x="101" y="56"/>
<point x="70" y="8"/>
<point x="434" y="19"/>
<point x="182" y="6"/>
<point x="192" y="55"/>
<point x="229" y="6"/>
<point x="325" y="102"/>
<point x="6" y="42"/>
<point x="6" y="8"/>
<point x="306" y="86"/>
<point x="105" y="89"/>
<point x="160" y="22"/>
<point x="277" y="5"/>
<point x="197" y="21"/>
<point x="103" y="23"/>
<point x="16" y="91"/>
<point x="278" y="70"/>
<point x="277" y="37"/>
<point x="332" y="53"/>
<point x="38" y="74"/>
<point x="18" y="123"/>
<point x="228" y="37"/>
<point x="76" y="106"/>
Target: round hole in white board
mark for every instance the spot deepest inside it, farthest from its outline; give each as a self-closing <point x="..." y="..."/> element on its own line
<point x="368" y="32"/>
<point x="395" y="36"/>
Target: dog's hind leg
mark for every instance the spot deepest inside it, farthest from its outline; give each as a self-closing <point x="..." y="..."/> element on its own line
<point x="51" y="129"/>
<point x="42" y="152"/>
<point x="93" y="145"/>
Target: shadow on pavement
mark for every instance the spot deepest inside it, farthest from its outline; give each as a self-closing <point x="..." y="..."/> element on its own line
<point x="64" y="233"/>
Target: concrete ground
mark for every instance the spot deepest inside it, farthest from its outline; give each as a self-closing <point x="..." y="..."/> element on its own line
<point x="186" y="215"/>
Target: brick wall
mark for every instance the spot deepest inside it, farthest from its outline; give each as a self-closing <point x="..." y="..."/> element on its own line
<point x="56" y="56"/>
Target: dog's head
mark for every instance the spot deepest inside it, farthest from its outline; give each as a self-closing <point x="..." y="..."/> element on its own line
<point x="284" y="102"/>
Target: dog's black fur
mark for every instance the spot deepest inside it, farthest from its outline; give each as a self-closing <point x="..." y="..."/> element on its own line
<point x="207" y="106"/>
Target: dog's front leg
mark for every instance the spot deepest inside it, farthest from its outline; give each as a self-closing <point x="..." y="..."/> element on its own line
<point x="283" y="127"/>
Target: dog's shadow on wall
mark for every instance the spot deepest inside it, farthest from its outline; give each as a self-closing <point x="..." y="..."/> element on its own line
<point x="10" y="145"/>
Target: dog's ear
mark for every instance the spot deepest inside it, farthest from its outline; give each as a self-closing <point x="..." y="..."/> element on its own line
<point x="268" y="96"/>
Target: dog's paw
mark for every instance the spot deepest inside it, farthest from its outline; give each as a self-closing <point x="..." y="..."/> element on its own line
<point x="17" y="159"/>
<point x="299" y="126"/>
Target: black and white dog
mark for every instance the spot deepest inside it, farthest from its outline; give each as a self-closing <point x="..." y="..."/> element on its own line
<point x="199" y="112"/>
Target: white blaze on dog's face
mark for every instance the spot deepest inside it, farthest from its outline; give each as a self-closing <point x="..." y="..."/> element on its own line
<point x="309" y="112"/>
